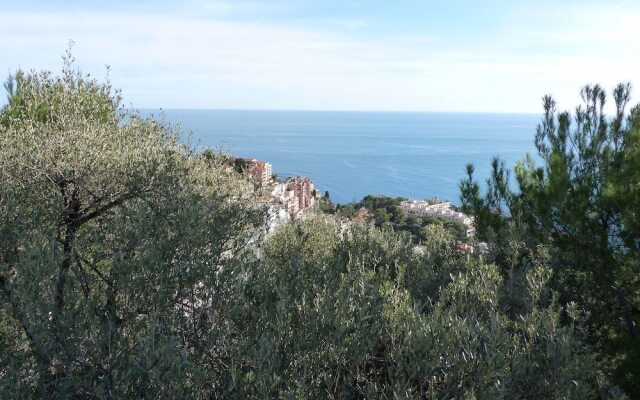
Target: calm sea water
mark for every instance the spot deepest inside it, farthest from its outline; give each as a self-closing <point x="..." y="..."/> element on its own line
<point x="352" y="154"/>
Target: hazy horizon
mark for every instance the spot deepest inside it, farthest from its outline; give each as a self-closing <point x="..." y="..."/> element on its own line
<point x="331" y="111"/>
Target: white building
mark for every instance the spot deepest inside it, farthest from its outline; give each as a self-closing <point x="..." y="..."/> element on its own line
<point x="440" y="209"/>
<point x="283" y="195"/>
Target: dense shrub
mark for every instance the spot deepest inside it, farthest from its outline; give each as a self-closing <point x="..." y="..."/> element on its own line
<point x="362" y="316"/>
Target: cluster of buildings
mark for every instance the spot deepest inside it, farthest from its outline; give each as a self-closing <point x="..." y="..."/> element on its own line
<point x="289" y="199"/>
<point x="296" y="195"/>
<point x="440" y="209"/>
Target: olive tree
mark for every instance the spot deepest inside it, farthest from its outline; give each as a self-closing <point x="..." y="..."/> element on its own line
<point x="117" y="246"/>
<point x="357" y="314"/>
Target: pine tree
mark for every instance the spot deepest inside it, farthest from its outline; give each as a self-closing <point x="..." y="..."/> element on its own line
<point x="583" y="202"/>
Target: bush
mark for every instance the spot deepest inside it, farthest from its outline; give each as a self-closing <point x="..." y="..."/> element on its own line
<point x="362" y="316"/>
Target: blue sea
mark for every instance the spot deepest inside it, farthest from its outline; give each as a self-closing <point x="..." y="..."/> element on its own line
<point x="352" y="154"/>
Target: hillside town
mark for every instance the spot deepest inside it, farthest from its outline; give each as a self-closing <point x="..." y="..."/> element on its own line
<point x="291" y="198"/>
<point x="296" y="197"/>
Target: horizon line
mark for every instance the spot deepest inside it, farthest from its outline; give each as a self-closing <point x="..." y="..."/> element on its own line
<point x="333" y="110"/>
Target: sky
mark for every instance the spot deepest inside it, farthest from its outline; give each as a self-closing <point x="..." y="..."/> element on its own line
<point x="454" y="56"/>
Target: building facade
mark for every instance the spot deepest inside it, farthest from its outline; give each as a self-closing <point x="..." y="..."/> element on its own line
<point x="440" y="209"/>
<point x="260" y="171"/>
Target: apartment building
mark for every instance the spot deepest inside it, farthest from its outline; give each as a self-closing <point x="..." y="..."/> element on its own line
<point x="438" y="208"/>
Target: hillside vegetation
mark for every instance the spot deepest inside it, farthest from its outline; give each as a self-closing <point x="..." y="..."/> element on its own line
<point x="583" y="205"/>
<point x="386" y="212"/>
<point x="129" y="268"/>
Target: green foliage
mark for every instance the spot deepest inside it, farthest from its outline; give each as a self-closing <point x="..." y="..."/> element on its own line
<point x="387" y="212"/>
<point x="129" y="268"/>
<point x="361" y="316"/>
<point x="114" y="245"/>
<point x="581" y="204"/>
<point x="346" y="211"/>
<point x="381" y="216"/>
<point x="325" y="204"/>
<point x="240" y="165"/>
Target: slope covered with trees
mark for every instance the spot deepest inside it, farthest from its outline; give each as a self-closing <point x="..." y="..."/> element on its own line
<point x="129" y="268"/>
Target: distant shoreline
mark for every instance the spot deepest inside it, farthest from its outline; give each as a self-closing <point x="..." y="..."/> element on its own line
<point x="353" y="154"/>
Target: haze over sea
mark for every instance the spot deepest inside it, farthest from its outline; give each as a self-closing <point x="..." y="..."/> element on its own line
<point x="352" y="154"/>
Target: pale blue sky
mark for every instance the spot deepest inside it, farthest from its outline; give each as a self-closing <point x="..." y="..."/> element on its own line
<point x="498" y="56"/>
